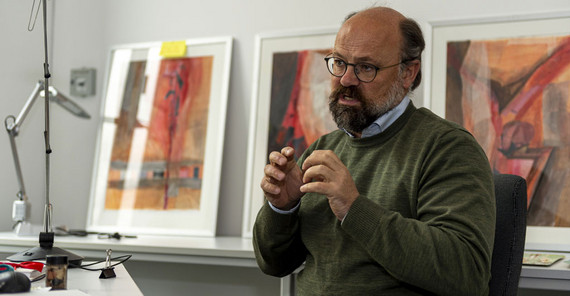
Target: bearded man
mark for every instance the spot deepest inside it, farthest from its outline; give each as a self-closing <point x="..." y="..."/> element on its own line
<point x="397" y="201"/>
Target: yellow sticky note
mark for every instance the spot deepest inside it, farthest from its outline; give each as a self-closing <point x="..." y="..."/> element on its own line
<point x="173" y="49"/>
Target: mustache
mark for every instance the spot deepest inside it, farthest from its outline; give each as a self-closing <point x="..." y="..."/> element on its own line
<point x="350" y="91"/>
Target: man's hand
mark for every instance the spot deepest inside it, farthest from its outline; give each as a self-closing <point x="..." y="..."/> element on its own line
<point x="326" y="174"/>
<point x="282" y="179"/>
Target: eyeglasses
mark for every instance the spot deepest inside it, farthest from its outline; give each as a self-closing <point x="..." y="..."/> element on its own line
<point x="365" y="72"/>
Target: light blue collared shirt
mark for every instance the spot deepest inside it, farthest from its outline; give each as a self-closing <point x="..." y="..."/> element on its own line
<point x="385" y="120"/>
<point x="378" y="126"/>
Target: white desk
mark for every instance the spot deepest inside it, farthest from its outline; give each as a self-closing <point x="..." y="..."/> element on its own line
<point x="89" y="283"/>
<point x="221" y="251"/>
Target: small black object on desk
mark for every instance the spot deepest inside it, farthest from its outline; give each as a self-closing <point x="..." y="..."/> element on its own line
<point x="108" y="271"/>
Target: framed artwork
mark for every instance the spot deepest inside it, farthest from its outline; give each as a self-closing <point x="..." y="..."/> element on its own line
<point x="507" y="80"/>
<point x="158" y="163"/>
<point x="289" y="104"/>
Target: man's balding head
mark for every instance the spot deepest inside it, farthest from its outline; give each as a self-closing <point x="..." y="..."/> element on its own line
<point x="411" y="42"/>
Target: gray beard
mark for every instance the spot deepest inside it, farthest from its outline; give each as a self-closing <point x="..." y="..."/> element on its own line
<point x="356" y="119"/>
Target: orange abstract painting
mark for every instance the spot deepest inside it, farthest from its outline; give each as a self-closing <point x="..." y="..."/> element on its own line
<point x="170" y="166"/>
<point x="299" y="112"/>
<point x="513" y="95"/>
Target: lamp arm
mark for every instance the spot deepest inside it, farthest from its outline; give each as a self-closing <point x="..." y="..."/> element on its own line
<point x="12" y="125"/>
<point x="26" y="109"/>
<point x="22" y="193"/>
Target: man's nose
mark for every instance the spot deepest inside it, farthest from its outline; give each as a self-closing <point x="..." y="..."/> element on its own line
<point x="349" y="78"/>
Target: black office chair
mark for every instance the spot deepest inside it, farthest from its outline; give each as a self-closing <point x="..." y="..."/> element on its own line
<point x="510" y="232"/>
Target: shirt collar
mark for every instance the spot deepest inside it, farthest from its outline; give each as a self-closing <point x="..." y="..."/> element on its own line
<point x="385" y="120"/>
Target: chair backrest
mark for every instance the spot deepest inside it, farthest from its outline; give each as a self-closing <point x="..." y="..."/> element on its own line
<point x="510" y="232"/>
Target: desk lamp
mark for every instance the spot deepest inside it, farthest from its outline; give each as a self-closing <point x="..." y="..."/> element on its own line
<point x="46" y="236"/>
<point x="22" y="207"/>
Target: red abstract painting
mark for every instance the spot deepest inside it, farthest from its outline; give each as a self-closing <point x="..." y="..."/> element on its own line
<point x="513" y="95"/>
<point x="299" y="112"/>
<point x="171" y="167"/>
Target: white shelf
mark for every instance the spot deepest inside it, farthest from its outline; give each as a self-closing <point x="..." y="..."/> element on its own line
<point x="554" y="277"/>
<point x="228" y="251"/>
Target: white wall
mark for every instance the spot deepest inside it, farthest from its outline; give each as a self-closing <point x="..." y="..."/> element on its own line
<point x="82" y="33"/>
<point x="74" y="41"/>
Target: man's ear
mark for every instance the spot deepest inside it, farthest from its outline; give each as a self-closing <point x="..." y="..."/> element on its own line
<point x="410" y="73"/>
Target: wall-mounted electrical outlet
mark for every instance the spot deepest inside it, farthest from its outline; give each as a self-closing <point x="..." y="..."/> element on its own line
<point x="82" y="82"/>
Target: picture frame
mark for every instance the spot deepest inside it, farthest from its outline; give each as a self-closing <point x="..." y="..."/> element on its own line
<point x="289" y="72"/>
<point x="506" y="60"/>
<point x="159" y="149"/>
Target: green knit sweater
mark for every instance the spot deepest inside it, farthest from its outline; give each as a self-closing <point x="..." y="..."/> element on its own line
<point x="423" y="223"/>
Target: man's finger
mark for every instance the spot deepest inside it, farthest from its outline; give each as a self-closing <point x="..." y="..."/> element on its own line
<point x="315" y="187"/>
<point x="319" y="173"/>
<point x="276" y="158"/>
<point x="288" y="152"/>
<point x="321" y="157"/>
<point x="269" y="188"/>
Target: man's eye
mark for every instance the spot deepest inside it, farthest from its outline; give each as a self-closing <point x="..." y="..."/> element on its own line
<point x="365" y="68"/>
<point x="339" y="63"/>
